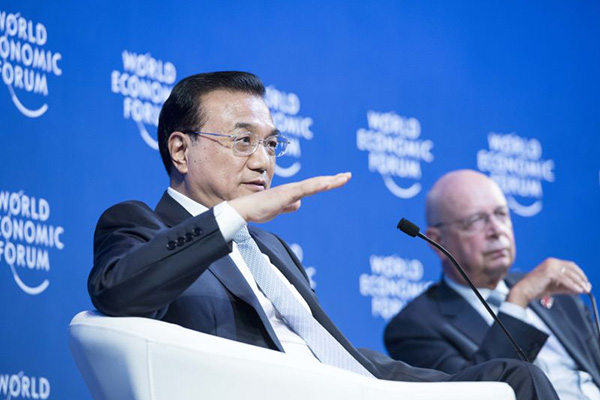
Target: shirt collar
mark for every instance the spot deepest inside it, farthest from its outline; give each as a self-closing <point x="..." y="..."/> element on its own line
<point x="191" y="206"/>
<point x="467" y="293"/>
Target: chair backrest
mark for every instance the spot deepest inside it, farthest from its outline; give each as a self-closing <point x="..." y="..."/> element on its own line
<point x="143" y="359"/>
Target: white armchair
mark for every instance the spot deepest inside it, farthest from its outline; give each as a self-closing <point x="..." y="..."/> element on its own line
<point x="137" y="358"/>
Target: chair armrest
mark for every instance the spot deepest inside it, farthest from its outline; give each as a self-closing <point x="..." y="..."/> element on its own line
<point x="140" y="358"/>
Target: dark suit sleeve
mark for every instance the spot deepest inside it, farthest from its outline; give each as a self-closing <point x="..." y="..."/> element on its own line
<point x="141" y="265"/>
<point x="424" y="339"/>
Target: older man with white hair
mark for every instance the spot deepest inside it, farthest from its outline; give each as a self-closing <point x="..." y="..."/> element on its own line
<point x="446" y="328"/>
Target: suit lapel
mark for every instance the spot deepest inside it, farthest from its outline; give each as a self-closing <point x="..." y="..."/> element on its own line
<point x="461" y="315"/>
<point x="296" y="278"/>
<point x="274" y="252"/>
<point x="555" y="319"/>
<point x="223" y="269"/>
<point x="230" y="276"/>
<point x="171" y="212"/>
<point x="570" y="339"/>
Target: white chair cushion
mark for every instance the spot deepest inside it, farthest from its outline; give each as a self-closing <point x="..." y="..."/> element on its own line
<point x="138" y="358"/>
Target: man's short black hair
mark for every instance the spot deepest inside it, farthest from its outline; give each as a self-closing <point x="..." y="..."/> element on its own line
<point x="183" y="109"/>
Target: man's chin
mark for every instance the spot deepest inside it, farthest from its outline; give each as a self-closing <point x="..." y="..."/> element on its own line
<point x="499" y="267"/>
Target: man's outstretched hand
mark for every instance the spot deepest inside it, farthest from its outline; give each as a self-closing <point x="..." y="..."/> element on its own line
<point x="266" y="205"/>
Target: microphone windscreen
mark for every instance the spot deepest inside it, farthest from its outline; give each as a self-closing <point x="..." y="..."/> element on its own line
<point x="408" y="227"/>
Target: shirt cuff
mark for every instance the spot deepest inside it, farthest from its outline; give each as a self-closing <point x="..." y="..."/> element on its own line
<point x="514" y="311"/>
<point x="229" y="220"/>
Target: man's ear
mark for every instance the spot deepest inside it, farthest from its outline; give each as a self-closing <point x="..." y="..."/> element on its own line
<point x="434" y="234"/>
<point x="178" y="145"/>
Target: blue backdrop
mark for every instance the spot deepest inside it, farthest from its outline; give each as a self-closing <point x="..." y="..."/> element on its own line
<point x="397" y="92"/>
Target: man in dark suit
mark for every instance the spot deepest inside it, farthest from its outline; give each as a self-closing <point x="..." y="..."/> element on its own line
<point x="191" y="261"/>
<point x="447" y="329"/>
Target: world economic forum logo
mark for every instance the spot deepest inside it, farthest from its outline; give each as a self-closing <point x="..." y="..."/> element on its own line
<point x="26" y="62"/>
<point x="392" y="283"/>
<point x="396" y="151"/>
<point x="285" y="110"/>
<point x="517" y="165"/>
<point x="145" y="84"/>
<point x="26" y="239"/>
<point x="21" y="386"/>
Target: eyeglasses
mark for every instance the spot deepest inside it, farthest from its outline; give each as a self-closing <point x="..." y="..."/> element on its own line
<point x="246" y="143"/>
<point x="478" y="221"/>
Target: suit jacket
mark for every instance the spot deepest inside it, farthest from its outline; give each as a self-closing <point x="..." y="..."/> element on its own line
<point x="168" y="265"/>
<point x="440" y="329"/>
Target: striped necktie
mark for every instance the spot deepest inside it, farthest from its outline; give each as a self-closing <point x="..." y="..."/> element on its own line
<point x="323" y="345"/>
<point x="495" y="299"/>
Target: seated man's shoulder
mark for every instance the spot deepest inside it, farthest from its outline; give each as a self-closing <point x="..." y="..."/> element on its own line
<point x="425" y="299"/>
<point x="128" y="206"/>
<point x="127" y="213"/>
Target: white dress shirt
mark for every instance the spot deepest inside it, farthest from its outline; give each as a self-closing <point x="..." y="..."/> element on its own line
<point x="230" y="222"/>
<point x="553" y="358"/>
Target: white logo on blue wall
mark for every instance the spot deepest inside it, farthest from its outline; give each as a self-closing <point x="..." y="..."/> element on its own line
<point x="145" y="83"/>
<point x="285" y="108"/>
<point x="396" y="151"/>
<point x="21" y="386"/>
<point x="393" y="281"/>
<point x="26" y="239"/>
<point x="26" y="62"/>
<point x="516" y="164"/>
<point x="310" y="271"/>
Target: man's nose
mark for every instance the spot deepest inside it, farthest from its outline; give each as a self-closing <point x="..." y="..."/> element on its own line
<point x="495" y="225"/>
<point x="260" y="159"/>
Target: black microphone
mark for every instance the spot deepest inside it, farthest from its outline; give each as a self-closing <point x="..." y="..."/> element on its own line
<point x="413" y="230"/>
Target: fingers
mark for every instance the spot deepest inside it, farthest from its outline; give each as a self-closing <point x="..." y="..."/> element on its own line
<point x="571" y="273"/>
<point x="553" y="276"/>
<point x="564" y="277"/>
<point x="308" y="187"/>
<point x="294" y="192"/>
<point x="266" y="205"/>
<point x="567" y="283"/>
<point x="319" y="184"/>
<point x="339" y="180"/>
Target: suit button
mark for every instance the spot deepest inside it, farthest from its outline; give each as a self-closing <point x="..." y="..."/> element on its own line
<point x="197" y="231"/>
<point x="180" y="241"/>
<point x="171" y="245"/>
<point x="189" y="236"/>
